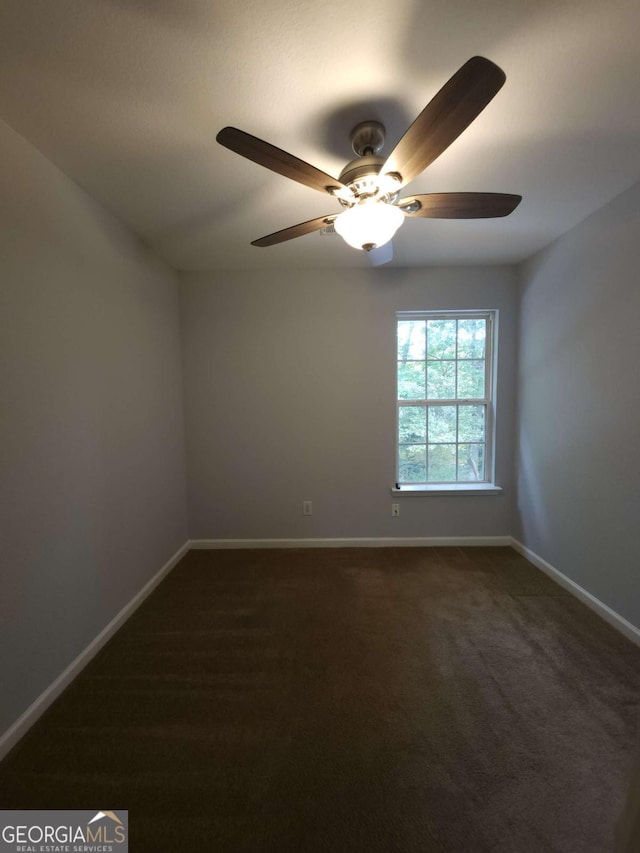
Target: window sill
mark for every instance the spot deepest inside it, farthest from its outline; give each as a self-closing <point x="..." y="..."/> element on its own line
<point x="448" y="489"/>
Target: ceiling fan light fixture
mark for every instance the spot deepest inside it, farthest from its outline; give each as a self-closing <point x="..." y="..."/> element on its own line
<point x="369" y="224"/>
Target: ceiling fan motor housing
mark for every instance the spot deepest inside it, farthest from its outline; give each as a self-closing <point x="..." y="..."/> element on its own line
<point x="361" y="176"/>
<point x="360" y="169"/>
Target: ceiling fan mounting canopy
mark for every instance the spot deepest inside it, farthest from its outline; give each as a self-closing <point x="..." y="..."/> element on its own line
<point x="368" y="138"/>
<point x="368" y="187"/>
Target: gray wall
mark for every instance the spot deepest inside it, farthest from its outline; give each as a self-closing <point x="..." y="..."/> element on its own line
<point x="92" y="488"/>
<point x="578" y="499"/>
<point x="289" y="396"/>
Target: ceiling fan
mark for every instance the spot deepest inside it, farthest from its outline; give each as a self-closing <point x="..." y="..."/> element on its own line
<point x="368" y="187"/>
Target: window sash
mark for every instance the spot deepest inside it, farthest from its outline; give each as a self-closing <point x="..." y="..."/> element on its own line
<point x="455" y="443"/>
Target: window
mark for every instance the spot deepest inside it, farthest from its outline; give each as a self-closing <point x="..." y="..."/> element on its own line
<point x="445" y="398"/>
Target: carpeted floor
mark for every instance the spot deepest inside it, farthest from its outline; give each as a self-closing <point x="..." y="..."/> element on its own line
<point x="376" y="700"/>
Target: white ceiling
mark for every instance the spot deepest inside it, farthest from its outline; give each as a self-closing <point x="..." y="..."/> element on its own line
<point x="126" y="97"/>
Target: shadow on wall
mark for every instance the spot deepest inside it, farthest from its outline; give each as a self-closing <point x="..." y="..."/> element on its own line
<point x="535" y="521"/>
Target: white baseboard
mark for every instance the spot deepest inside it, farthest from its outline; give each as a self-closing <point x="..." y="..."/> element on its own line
<point x="364" y="542"/>
<point x="13" y="734"/>
<point x="614" y="619"/>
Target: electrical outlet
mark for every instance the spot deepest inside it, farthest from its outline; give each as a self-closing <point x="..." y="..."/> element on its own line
<point x="307" y="508"/>
<point x="395" y="510"/>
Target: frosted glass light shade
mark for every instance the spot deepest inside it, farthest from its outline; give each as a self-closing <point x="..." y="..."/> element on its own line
<point x="368" y="224"/>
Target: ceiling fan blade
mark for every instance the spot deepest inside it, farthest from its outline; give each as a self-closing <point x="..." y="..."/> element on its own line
<point x="277" y="160"/>
<point x="295" y="231"/>
<point x="444" y="118"/>
<point x="459" y="205"/>
<point x="380" y="255"/>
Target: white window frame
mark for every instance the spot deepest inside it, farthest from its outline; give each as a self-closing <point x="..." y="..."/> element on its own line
<point x="459" y="487"/>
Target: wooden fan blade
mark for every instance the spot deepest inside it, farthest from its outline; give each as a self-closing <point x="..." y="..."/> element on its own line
<point x="277" y="160"/>
<point x="295" y="231"/>
<point x="444" y="118"/>
<point x="459" y="205"/>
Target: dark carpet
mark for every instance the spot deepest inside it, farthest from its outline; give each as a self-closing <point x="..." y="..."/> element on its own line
<point x="400" y="699"/>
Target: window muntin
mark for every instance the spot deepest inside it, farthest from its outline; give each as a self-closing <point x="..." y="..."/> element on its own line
<point x="444" y="397"/>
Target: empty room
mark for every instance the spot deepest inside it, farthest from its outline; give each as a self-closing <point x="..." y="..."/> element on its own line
<point x="319" y="334"/>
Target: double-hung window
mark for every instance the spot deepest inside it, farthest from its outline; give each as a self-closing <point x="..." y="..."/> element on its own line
<point x="445" y="398"/>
